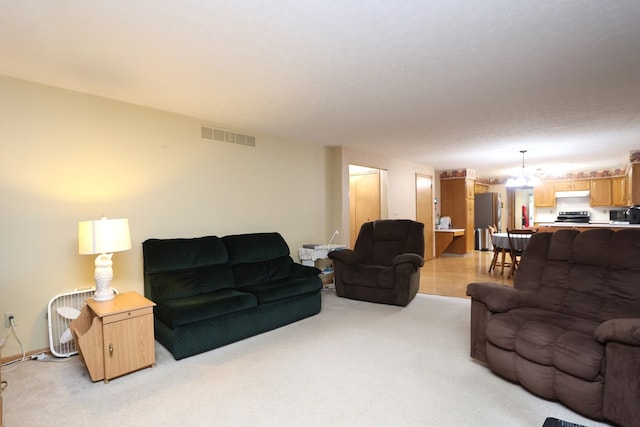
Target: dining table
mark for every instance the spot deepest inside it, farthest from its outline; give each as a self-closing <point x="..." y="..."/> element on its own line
<point x="500" y="242"/>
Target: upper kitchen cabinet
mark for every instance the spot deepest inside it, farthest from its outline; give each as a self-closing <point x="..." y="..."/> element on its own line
<point x="633" y="184"/>
<point x="578" y="185"/>
<point x="600" y="192"/>
<point x="619" y="191"/>
<point x="544" y="195"/>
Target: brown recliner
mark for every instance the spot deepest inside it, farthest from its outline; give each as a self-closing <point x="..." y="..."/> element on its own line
<point x="384" y="266"/>
<point x="569" y="328"/>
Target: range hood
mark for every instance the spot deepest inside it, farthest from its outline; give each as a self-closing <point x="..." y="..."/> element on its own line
<point x="577" y="193"/>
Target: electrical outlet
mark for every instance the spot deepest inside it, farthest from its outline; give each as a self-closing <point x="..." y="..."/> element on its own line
<point x="7" y="322"/>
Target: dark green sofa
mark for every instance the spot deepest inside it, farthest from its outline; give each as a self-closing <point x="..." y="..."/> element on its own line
<point x="213" y="291"/>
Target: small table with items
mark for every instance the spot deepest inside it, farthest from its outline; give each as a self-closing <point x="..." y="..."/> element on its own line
<point x="318" y="256"/>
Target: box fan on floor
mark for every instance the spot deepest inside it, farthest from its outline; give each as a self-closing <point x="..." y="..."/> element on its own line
<point x="61" y="311"/>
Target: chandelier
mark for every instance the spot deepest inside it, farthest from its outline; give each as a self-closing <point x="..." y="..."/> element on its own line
<point x="523" y="180"/>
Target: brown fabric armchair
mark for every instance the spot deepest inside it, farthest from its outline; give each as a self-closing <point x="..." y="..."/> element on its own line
<point x="569" y="328"/>
<point x="384" y="266"/>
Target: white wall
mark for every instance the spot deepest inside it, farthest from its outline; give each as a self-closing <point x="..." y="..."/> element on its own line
<point x="67" y="156"/>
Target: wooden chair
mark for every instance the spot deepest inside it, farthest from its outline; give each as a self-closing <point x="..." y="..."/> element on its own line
<point x="498" y="252"/>
<point x="514" y="250"/>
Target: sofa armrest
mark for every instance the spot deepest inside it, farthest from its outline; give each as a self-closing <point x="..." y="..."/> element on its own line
<point x="626" y="331"/>
<point x="346" y="256"/>
<point x="299" y="270"/>
<point x="500" y="298"/>
<point x="410" y="258"/>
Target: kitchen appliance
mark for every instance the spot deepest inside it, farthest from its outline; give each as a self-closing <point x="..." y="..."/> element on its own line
<point x="619" y="216"/>
<point x="634" y="214"/>
<point x="445" y="223"/>
<point x="486" y="213"/>
<point x="581" y="217"/>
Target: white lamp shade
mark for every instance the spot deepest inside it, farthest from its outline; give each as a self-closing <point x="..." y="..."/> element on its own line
<point x="103" y="236"/>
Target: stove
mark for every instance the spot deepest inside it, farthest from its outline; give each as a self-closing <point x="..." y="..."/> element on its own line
<point x="573" y="216"/>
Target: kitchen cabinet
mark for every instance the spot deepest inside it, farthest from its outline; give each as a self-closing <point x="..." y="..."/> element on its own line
<point x="577" y="185"/>
<point x="633" y="183"/>
<point x="619" y="191"/>
<point x="544" y="195"/>
<point x="457" y="202"/>
<point x="600" y="192"/>
<point x="481" y="187"/>
<point x="470" y="188"/>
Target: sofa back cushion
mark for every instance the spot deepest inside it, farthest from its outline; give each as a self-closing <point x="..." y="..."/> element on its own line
<point x="380" y="241"/>
<point x="257" y="257"/>
<point x="593" y="274"/>
<point x="178" y="268"/>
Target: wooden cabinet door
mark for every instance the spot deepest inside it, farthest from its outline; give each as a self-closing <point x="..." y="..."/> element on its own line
<point x="619" y="191"/>
<point x="470" y="188"/>
<point x="469" y="232"/>
<point x="582" y="184"/>
<point x="600" y="192"/>
<point x="544" y="195"/>
<point x="634" y="184"/>
<point x="128" y="345"/>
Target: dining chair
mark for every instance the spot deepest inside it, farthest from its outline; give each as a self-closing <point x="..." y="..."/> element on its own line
<point x="516" y="250"/>
<point x="496" y="249"/>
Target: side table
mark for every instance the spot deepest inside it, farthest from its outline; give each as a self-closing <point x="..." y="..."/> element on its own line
<point x="115" y="337"/>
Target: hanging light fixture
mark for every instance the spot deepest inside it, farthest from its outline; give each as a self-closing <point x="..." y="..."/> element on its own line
<point x="523" y="180"/>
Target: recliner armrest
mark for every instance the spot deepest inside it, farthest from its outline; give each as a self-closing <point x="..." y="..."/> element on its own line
<point x="626" y="331"/>
<point x="500" y="298"/>
<point x="411" y="258"/>
<point x="347" y="256"/>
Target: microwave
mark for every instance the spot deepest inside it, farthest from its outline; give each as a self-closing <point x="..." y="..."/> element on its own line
<point x="619" y="215"/>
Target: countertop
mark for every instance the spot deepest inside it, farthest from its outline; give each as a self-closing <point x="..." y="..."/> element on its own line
<point x="449" y="230"/>
<point x="589" y="225"/>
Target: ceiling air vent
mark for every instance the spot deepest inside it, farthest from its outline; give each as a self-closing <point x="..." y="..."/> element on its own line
<point x="227" y="136"/>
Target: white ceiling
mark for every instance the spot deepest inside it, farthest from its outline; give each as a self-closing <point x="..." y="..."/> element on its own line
<point x="448" y="83"/>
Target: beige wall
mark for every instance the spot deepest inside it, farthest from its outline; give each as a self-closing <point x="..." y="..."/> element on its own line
<point x="401" y="178"/>
<point x="67" y="156"/>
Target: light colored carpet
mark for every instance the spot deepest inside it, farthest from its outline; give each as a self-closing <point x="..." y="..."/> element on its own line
<point x="354" y="364"/>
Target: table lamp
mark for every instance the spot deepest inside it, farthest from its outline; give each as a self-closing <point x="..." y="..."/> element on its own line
<point x="104" y="237"/>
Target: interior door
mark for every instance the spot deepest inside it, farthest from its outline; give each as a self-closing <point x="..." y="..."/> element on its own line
<point x="424" y="211"/>
<point x="364" y="199"/>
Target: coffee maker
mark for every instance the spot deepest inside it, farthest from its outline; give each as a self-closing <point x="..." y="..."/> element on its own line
<point x="634" y="214"/>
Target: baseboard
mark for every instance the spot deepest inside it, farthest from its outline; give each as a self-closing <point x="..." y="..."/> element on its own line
<point x="28" y="355"/>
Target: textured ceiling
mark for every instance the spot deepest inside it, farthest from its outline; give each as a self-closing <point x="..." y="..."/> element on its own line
<point x="447" y="83"/>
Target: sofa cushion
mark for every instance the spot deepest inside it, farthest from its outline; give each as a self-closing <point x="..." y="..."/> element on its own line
<point x="552" y="339"/>
<point x="282" y="289"/>
<point x="258" y="257"/>
<point x="180" y="268"/>
<point x="182" y="311"/>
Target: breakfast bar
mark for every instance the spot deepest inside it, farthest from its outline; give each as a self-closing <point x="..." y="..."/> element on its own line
<point x="450" y="240"/>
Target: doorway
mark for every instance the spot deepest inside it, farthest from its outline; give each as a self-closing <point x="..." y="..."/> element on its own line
<point x="367" y="197"/>
<point x="522" y="208"/>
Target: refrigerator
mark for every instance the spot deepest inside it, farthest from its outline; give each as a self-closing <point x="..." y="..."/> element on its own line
<point x="487" y="211"/>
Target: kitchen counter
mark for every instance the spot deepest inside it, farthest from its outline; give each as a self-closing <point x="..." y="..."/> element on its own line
<point x="590" y="225"/>
<point x="450" y="240"/>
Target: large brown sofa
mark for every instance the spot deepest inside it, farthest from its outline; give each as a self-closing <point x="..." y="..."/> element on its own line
<point x="569" y="328"/>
